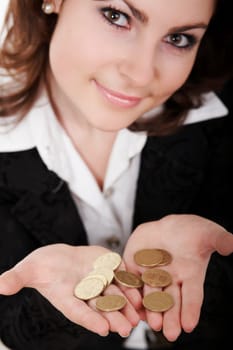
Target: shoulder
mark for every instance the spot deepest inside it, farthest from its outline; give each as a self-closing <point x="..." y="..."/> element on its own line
<point x="14" y="135"/>
<point x="226" y="95"/>
<point x="20" y="134"/>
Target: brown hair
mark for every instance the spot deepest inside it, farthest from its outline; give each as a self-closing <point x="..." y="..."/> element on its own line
<point x="24" y="58"/>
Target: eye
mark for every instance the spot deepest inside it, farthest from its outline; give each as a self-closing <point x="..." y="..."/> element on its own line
<point x="181" y="41"/>
<point x="116" y="17"/>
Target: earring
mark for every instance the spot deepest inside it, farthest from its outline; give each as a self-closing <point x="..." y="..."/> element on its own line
<point x="48" y="7"/>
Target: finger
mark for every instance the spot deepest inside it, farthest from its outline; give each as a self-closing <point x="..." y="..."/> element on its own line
<point x="128" y="311"/>
<point x="224" y="243"/>
<point x="154" y="319"/>
<point x="132" y="294"/>
<point x="192" y="298"/>
<point x="131" y="314"/>
<point x="76" y="310"/>
<point x="171" y="318"/>
<point x="117" y="320"/>
<point x="118" y="323"/>
<point x="10" y="282"/>
<point x="142" y="313"/>
<point x="80" y="313"/>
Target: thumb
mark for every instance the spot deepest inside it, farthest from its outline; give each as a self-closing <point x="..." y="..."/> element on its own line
<point x="224" y="243"/>
<point x="10" y="282"/>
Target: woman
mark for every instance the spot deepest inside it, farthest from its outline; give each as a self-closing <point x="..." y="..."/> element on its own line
<point x="76" y="95"/>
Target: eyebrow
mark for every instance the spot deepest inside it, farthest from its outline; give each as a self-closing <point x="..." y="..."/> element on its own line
<point x="143" y="18"/>
<point x="138" y="14"/>
<point x="187" y="27"/>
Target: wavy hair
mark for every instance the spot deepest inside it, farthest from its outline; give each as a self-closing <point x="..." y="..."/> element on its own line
<point x="24" y="60"/>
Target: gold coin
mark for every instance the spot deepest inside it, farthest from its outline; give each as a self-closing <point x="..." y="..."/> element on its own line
<point x="148" y="257"/>
<point x="156" y="277"/>
<point x="109" y="303"/>
<point x="98" y="276"/>
<point x="167" y="257"/>
<point x="110" y="260"/>
<point x="89" y="288"/>
<point x="106" y="272"/>
<point x="128" y="279"/>
<point x="158" y="301"/>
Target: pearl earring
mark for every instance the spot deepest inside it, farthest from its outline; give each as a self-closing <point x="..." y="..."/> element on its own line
<point x="48" y="8"/>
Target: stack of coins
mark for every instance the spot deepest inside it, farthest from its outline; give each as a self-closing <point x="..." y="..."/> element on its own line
<point x="155" y="277"/>
<point x="94" y="284"/>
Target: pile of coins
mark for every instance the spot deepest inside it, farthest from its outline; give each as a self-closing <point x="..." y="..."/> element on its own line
<point x="104" y="273"/>
<point x="158" y="301"/>
<point x="94" y="284"/>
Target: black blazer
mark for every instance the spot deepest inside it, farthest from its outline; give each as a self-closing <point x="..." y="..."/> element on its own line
<point x="188" y="172"/>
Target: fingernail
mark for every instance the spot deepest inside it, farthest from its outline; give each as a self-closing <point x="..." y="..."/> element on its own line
<point x="104" y="334"/>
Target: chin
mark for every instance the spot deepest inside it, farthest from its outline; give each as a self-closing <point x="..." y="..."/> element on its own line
<point x="113" y="127"/>
<point x="113" y="124"/>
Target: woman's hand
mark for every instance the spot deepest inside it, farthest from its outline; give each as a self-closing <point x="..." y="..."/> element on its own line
<point x="54" y="271"/>
<point x="191" y="240"/>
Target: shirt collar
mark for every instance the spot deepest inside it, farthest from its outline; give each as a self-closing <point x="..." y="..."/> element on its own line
<point x="41" y="129"/>
<point x="127" y="145"/>
<point x="211" y="108"/>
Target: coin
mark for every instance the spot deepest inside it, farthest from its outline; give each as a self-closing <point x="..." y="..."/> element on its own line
<point x="110" y="303"/>
<point x="148" y="257"/>
<point x="158" y="301"/>
<point x="128" y="279"/>
<point x="167" y="257"/>
<point x="110" y="260"/>
<point x="89" y="288"/>
<point x="106" y="272"/>
<point x="98" y="276"/>
<point x="156" y="277"/>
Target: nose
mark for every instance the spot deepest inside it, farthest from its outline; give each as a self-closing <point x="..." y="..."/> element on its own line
<point x="138" y="65"/>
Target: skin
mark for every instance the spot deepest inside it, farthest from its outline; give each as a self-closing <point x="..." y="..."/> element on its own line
<point x="54" y="271"/>
<point x="195" y="240"/>
<point x="88" y="55"/>
<point x="93" y="61"/>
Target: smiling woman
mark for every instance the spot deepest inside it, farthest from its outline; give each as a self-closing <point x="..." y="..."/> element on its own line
<point x="111" y="77"/>
<point x="179" y="41"/>
<point x="109" y="122"/>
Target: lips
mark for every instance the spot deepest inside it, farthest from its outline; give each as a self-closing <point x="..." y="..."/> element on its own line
<point x="117" y="98"/>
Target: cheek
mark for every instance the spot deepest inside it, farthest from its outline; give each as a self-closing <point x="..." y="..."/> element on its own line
<point x="60" y="54"/>
<point x="72" y="55"/>
<point x="176" y="74"/>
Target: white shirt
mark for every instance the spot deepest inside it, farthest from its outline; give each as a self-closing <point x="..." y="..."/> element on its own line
<point x="107" y="215"/>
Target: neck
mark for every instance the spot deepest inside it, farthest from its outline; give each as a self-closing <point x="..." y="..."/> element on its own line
<point x="92" y="144"/>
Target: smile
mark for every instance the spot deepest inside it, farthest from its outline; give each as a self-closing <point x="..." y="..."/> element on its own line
<point x="117" y="98"/>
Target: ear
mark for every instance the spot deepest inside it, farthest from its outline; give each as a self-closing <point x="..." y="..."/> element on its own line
<point x="57" y="5"/>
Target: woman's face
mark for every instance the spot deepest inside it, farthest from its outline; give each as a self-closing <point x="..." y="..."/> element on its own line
<point x="113" y="60"/>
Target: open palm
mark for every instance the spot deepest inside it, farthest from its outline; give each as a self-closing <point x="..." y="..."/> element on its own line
<point x="191" y="240"/>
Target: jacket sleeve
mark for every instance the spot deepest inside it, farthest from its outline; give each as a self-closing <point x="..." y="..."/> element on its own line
<point x="27" y="320"/>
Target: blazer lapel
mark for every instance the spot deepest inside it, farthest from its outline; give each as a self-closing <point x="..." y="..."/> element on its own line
<point x="41" y="201"/>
